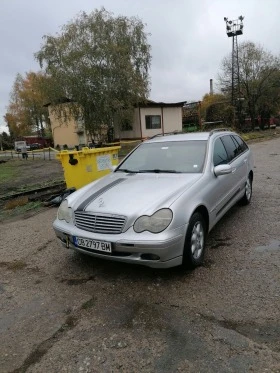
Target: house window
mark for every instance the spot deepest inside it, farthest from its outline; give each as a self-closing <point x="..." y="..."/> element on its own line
<point x="126" y="126"/>
<point x="153" y="122"/>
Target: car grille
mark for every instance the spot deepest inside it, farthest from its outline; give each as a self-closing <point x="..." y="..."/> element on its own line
<point x="110" y="224"/>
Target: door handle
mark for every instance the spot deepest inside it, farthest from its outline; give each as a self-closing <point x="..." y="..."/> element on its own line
<point x="245" y="160"/>
<point x="233" y="170"/>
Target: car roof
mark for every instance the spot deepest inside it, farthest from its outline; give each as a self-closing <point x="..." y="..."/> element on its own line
<point x="195" y="136"/>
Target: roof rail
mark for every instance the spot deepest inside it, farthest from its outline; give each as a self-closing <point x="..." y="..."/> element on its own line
<point x="166" y="134"/>
<point x="218" y="130"/>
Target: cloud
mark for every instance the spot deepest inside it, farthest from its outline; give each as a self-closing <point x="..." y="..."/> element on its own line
<point x="188" y="38"/>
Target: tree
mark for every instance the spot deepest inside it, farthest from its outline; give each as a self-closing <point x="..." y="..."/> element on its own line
<point x="26" y="111"/>
<point x="6" y="141"/>
<point x="100" y="62"/>
<point x="217" y="107"/>
<point x="259" y="78"/>
<point x="12" y="124"/>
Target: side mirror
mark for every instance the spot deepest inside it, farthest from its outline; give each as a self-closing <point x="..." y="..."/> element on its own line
<point x="222" y="169"/>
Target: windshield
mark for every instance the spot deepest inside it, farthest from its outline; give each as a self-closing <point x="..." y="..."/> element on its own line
<point x="169" y="157"/>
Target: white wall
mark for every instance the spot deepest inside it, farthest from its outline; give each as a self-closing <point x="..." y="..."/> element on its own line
<point x="150" y="111"/>
<point x="171" y="120"/>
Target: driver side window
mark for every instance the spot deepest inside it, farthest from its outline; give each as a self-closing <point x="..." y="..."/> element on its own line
<point x="220" y="154"/>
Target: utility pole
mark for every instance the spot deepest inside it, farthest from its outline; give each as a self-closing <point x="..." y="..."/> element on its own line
<point x="233" y="29"/>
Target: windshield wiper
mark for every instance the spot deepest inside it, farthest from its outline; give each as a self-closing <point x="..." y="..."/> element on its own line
<point x="126" y="170"/>
<point x="159" y="171"/>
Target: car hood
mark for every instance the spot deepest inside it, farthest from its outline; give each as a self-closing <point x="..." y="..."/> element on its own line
<point x="132" y="194"/>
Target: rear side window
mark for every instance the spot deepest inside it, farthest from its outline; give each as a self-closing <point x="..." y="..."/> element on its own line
<point x="241" y="144"/>
<point x="231" y="147"/>
<point x="220" y="154"/>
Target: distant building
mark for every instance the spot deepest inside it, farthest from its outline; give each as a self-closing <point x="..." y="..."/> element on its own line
<point x="34" y="139"/>
<point x="150" y="118"/>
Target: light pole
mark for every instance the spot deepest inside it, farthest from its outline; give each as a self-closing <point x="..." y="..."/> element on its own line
<point x="233" y="29"/>
<point x="239" y="103"/>
<point x="1" y="141"/>
<point x="254" y="94"/>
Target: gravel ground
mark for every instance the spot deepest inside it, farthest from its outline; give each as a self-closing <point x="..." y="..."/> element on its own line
<point x="64" y="312"/>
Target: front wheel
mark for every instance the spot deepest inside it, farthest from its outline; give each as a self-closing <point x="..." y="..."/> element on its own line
<point x="246" y="199"/>
<point x="194" y="249"/>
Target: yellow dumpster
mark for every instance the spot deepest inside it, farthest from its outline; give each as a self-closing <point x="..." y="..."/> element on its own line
<point x="84" y="166"/>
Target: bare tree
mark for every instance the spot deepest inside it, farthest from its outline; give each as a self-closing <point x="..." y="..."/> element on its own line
<point x="259" y="78"/>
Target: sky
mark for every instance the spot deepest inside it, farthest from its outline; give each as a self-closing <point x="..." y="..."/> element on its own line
<point x="187" y="37"/>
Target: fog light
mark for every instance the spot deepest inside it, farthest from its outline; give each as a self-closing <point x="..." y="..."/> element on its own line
<point x="150" y="257"/>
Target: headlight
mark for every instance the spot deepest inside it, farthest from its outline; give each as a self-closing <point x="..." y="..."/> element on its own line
<point x="156" y="223"/>
<point x="64" y="212"/>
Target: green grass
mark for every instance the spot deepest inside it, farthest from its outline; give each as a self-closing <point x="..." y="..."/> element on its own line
<point x="259" y="135"/>
<point x="7" y="172"/>
<point x="192" y="128"/>
<point x="19" y="210"/>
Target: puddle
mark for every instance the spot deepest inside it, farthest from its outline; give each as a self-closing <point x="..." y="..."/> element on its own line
<point x="274" y="245"/>
<point x="14" y="266"/>
<point x="77" y="281"/>
<point x="219" y="242"/>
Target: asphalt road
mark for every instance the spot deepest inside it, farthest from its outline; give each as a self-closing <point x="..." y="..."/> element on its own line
<point x="62" y="312"/>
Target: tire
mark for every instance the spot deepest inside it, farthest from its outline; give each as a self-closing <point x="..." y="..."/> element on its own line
<point x="194" y="249"/>
<point x="246" y="199"/>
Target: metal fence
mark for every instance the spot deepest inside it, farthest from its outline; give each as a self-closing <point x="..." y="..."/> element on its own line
<point x="43" y="154"/>
<point x="50" y="153"/>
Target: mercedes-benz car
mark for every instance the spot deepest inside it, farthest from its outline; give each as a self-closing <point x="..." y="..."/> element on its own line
<point x="158" y="205"/>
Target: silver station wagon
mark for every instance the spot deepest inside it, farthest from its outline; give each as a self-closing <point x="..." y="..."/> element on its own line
<point x="158" y="205"/>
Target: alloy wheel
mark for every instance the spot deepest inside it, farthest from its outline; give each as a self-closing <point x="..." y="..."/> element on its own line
<point x="248" y="189"/>
<point x="197" y="240"/>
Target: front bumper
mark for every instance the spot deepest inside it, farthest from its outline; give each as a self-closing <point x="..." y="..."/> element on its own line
<point x="162" y="250"/>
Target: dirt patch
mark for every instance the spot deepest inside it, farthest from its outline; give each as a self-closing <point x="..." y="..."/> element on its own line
<point x="31" y="173"/>
<point x="18" y="177"/>
<point x="14" y="266"/>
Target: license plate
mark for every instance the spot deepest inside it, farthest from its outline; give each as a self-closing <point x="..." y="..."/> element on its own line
<point x="93" y="244"/>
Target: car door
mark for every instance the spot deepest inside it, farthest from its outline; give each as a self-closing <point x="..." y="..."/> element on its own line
<point x="244" y="158"/>
<point x="238" y="160"/>
<point x="220" y="187"/>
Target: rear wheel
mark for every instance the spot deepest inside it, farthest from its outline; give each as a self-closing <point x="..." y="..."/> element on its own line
<point x="195" y="242"/>
<point x="246" y="199"/>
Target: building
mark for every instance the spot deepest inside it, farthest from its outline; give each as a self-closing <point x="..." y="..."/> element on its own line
<point x="150" y="118"/>
<point x="35" y="139"/>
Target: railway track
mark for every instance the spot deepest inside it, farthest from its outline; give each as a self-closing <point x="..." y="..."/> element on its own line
<point x="42" y="194"/>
